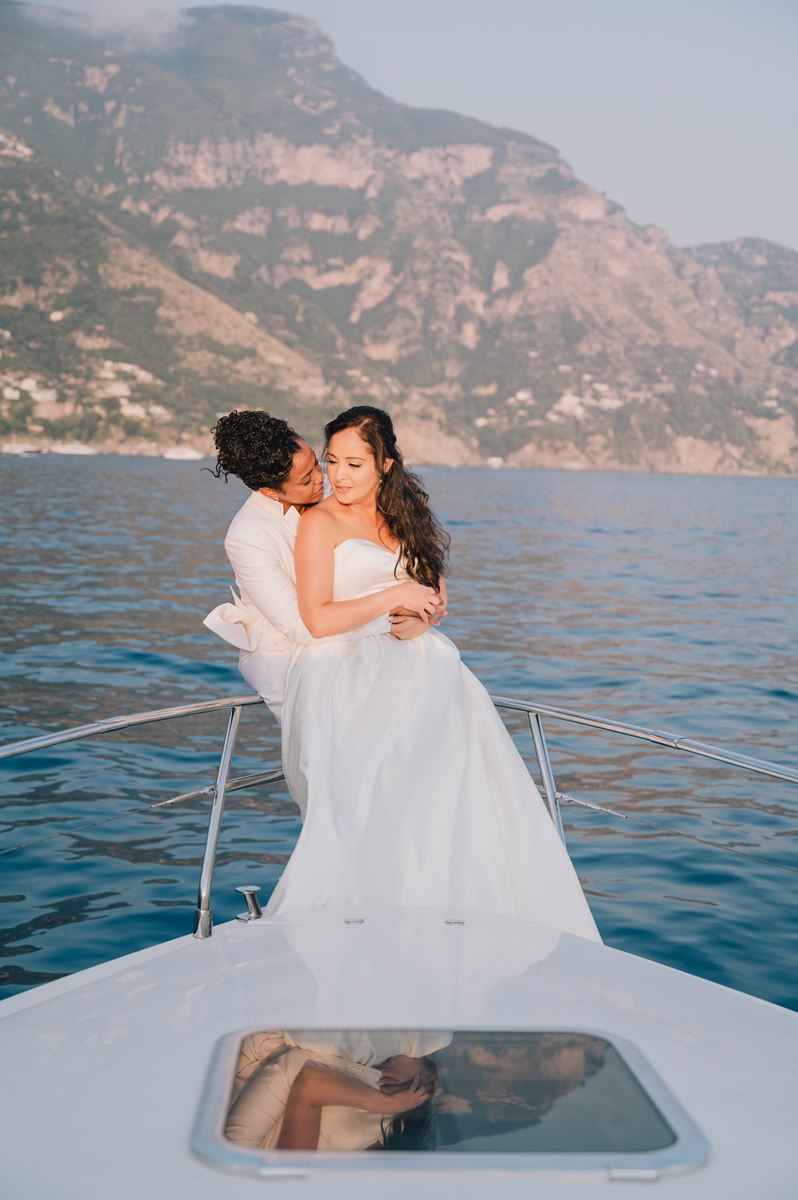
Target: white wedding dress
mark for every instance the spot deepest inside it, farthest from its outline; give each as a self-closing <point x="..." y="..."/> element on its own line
<point x="411" y="790"/>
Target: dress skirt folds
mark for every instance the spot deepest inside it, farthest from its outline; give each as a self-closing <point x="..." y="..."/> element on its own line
<point x="411" y="790"/>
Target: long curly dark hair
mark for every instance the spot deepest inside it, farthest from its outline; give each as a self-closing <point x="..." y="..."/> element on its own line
<point x="414" y="1130"/>
<point x="401" y="500"/>
<point x="256" y="447"/>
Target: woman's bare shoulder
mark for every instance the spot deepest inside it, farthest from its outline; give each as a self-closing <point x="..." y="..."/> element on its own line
<point x="320" y="514"/>
<point x="319" y="521"/>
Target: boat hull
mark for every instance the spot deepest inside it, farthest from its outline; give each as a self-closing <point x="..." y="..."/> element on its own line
<point x="105" y="1070"/>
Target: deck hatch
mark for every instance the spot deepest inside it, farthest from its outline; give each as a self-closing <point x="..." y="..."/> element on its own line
<point x="524" y="1100"/>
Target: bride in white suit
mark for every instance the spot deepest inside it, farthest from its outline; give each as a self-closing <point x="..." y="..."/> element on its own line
<point x="412" y="790"/>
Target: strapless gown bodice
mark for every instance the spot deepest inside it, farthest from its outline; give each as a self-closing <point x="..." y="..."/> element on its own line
<point x="363" y="567"/>
<point x="411" y="790"/>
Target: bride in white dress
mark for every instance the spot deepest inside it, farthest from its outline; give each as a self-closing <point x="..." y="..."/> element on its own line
<point x="411" y="790"/>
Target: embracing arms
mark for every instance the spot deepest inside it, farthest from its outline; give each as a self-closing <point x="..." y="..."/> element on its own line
<point x="406" y="625"/>
<point x="316" y="1087"/>
<point x="315" y="569"/>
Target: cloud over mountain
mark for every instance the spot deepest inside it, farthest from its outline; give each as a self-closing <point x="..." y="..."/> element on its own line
<point x="134" y="21"/>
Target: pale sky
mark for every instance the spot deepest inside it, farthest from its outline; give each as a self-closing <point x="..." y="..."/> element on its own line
<point x="683" y="111"/>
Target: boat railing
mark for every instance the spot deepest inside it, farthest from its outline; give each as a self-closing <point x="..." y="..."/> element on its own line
<point x="224" y="784"/>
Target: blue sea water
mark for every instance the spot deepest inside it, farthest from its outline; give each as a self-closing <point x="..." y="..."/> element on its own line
<point x="665" y="601"/>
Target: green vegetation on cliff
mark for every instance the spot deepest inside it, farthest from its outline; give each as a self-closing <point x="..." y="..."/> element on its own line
<point x="231" y="216"/>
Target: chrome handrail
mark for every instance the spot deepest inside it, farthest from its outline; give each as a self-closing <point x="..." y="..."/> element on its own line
<point x="546" y="772"/>
<point x="203" y="920"/>
<point x="112" y="724"/>
<point x="659" y="737"/>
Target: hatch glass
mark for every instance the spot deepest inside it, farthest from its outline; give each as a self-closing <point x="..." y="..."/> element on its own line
<point x="532" y="1098"/>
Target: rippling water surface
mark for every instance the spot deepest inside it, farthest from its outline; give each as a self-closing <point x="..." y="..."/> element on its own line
<point x="665" y="601"/>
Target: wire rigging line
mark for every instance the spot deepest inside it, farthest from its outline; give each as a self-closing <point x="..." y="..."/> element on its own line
<point x="234" y="785"/>
<point x="667" y="829"/>
<point x="276" y="776"/>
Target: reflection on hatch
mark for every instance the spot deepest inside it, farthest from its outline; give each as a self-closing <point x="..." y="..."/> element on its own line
<point x="467" y="1092"/>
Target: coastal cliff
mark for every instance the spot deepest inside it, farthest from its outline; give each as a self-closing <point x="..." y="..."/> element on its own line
<point x="230" y="216"/>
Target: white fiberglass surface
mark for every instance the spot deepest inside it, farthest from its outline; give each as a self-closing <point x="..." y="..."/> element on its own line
<point x="100" y="1065"/>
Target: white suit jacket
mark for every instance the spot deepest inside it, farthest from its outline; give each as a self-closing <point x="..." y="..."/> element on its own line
<point x="264" y="621"/>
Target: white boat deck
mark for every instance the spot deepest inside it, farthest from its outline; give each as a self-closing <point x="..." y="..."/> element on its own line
<point x="103" y="1072"/>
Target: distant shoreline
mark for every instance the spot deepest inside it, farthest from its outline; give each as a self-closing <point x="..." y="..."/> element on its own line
<point x="23" y="448"/>
<point x="191" y="454"/>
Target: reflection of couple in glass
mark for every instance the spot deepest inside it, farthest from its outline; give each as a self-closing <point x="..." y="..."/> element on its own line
<point x="308" y="1098"/>
<point x="411" y="790"/>
<point x="326" y="1091"/>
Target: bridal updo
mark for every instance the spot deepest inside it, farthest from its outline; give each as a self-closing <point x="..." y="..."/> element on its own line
<point x="401" y="500"/>
<point x="256" y="447"/>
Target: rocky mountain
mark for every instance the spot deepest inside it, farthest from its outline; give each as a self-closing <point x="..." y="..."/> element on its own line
<point x="103" y="340"/>
<point x="229" y="216"/>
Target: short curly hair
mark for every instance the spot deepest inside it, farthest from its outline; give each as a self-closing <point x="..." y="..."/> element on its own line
<point x="256" y="447"/>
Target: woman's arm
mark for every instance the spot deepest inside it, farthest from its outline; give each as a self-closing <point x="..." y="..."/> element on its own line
<point x="315" y="567"/>
<point x="317" y="1087"/>
<point x="406" y="625"/>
